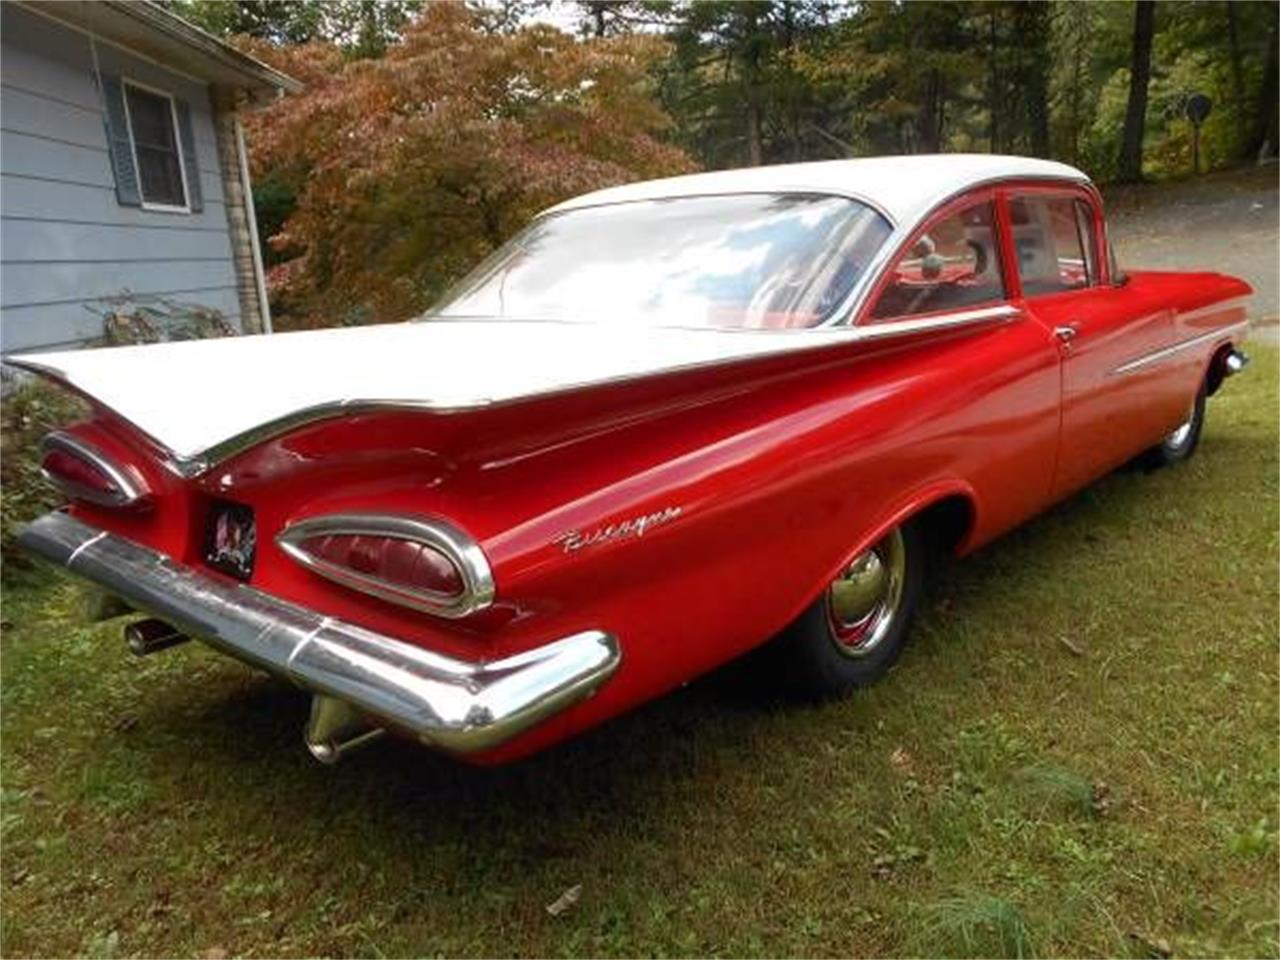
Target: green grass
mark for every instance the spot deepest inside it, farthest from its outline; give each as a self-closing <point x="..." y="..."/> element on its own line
<point x="998" y="793"/>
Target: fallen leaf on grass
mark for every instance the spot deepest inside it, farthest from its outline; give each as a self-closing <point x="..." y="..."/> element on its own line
<point x="1101" y="804"/>
<point x="1074" y="648"/>
<point x="565" y="901"/>
<point x="902" y="760"/>
<point x="1158" y="948"/>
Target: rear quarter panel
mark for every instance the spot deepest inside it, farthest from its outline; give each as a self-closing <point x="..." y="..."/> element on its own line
<point x="780" y="470"/>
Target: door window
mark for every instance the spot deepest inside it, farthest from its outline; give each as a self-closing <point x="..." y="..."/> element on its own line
<point x="955" y="264"/>
<point x="1054" y="240"/>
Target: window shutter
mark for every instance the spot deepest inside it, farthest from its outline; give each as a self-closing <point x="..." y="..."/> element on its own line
<point x="195" y="196"/>
<point x="117" y="123"/>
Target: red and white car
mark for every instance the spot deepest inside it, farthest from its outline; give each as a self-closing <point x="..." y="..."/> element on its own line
<point x="668" y="423"/>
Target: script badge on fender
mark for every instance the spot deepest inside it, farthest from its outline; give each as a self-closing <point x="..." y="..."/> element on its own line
<point x="632" y="527"/>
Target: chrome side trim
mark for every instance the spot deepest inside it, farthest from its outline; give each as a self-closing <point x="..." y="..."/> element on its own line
<point x="133" y="491"/>
<point x="460" y="706"/>
<point x="822" y="337"/>
<point x="1155" y="356"/>
<point x="465" y="554"/>
<point x="803" y="341"/>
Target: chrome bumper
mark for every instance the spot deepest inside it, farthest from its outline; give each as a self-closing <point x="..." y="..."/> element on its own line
<point x="456" y="705"/>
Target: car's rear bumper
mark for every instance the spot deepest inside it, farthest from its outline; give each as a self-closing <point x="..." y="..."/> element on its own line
<point x="456" y="705"/>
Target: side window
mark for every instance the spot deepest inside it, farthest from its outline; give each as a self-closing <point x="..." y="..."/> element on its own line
<point x="953" y="265"/>
<point x="1055" y="243"/>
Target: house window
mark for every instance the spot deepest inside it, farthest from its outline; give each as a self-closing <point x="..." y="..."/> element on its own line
<point x="153" y="131"/>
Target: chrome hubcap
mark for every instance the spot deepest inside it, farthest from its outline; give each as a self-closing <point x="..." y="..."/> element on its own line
<point x="1179" y="436"/>
<point x="862" y="603"/>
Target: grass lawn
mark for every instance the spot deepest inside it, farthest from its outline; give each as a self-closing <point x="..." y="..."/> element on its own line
<point x="1078" y="756"/>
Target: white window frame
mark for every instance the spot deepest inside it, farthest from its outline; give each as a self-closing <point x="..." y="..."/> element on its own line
<point x="127" y="82"/>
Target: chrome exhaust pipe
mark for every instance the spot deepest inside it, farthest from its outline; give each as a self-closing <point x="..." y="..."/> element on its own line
<point x="1234" y="363"/>
<point x="151" y="636"/>
<point x="336" y="729"/>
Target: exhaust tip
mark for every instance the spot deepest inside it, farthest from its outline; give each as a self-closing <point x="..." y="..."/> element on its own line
<point x="331" y="751"/>
<point x="151" y="636"/>
<point x="336" y="729"/>
<point x="1235" y="362"/>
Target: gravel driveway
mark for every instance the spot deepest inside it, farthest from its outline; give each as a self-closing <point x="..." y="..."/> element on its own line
<point x="1228" y="222"/>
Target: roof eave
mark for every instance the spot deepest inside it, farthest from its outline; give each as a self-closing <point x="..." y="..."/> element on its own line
<point x="158" y="34"/>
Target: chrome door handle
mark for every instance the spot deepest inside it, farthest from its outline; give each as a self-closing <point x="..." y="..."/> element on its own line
<point x="1067" y="333"/>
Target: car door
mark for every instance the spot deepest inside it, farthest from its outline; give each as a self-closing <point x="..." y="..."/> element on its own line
<point x="991" y="415"/>
<point x="1064" y="281"/>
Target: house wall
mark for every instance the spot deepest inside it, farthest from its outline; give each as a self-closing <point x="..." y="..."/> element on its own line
<point x="65" y="241"/>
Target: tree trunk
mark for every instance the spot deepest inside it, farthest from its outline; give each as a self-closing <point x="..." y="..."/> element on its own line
<point x="1035" y="31"/>
<point x="930" y="128"/>
<point x="1135" y="117"/>
<point x="1267" y="118"/>
<point x="1237" y="73"/>
<point x="1077" y="91"/>
<point x="755" y="124"/>
<point x="753" y="83"/>
<point x="993" y="83"/>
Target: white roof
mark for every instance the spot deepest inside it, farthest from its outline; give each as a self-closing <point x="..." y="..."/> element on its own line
<point x="905" y="188"/>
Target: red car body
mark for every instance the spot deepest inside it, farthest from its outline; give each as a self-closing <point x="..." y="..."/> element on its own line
<point x="692" y="513"/>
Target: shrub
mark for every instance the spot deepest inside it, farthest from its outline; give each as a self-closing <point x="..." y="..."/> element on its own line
<point x="30" y="410"/>
<point x="33" y="408"/>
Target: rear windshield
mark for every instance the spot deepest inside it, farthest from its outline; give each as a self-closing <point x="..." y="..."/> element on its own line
<point x="735" y="261"/>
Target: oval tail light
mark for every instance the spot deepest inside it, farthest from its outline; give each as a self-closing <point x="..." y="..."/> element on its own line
<point x="419" y="562"/>
<point x="85" y="473"/>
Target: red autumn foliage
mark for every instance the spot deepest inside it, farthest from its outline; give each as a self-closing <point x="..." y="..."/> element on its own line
<point x="410" y="168"/>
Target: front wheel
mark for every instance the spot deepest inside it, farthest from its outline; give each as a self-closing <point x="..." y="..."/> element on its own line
<point x="852" y="634"/>
<point x="1181" y="442"/>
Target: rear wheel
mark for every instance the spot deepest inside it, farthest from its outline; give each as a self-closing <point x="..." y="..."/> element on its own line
<point x="852" y="634"/>
<point x="1181" y="442"/>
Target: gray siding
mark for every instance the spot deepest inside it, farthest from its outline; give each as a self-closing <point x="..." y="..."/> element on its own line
<point x="65" y="242"/>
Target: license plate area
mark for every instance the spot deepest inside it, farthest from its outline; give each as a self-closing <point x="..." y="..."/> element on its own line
<point x="230" y="539"/>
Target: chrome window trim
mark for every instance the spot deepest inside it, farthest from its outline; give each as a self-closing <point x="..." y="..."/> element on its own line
<point x="1155" y="356"/>
<point x="808" y="191"/>
<point x="133" y="491"/>
<point x="463" y="552"/>
<point x="995" y="313"/>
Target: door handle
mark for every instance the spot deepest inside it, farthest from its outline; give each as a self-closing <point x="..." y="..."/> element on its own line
<point x="1066" y="333"/>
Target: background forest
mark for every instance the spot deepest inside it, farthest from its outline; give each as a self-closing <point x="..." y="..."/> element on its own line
<point x="428" y="133"/>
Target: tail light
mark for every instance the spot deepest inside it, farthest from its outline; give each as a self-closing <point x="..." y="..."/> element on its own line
<point x="423" y="563"/>
<point x="83" y="472"/>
